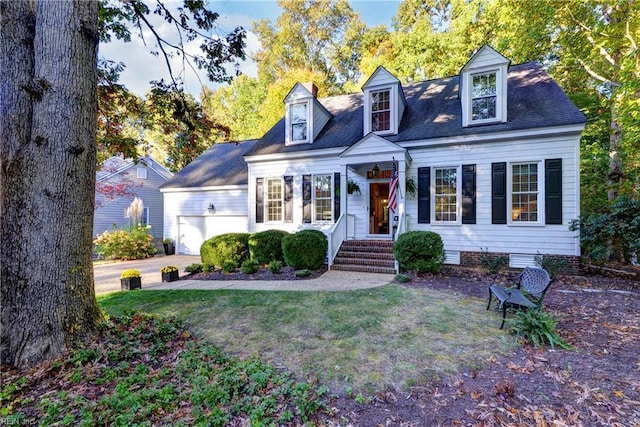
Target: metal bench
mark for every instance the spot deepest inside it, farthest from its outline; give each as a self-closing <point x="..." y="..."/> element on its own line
<point x="534" y="281"/>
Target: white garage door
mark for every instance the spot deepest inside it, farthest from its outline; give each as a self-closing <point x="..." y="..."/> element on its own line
<point x="193" y="230"/>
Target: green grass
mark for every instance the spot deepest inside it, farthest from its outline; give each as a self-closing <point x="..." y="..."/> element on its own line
<point x="364" y="340"/>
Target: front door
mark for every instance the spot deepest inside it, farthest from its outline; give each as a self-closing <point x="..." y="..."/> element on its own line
<point x="378" y="208"/>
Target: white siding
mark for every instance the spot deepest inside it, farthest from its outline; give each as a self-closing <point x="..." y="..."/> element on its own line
<point x="296" y="168"/>
<point x="551" y="239"/>
<point x="191" y="208"/>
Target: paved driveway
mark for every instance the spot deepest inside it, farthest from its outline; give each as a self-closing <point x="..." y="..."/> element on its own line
<point x="107" y="276"/>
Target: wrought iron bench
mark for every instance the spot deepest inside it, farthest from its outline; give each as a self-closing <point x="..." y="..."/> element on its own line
<point x="534" y="281"/>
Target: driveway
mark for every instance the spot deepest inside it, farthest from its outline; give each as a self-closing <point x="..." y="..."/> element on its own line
<point x="107" y="276"/>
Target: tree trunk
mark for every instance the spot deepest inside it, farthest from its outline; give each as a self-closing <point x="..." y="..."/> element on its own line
<point x="48" y="63"/>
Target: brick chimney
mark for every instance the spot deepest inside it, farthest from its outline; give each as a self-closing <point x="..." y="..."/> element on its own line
<point x="311" y="87"/>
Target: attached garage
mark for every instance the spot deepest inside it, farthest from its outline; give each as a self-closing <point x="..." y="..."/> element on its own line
<point x="194" y="230"/>
<point x="207" y="198"/>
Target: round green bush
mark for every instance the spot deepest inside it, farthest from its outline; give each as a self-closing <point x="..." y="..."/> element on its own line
<point x="266" y="246"/>
<point x="422" y="251"/>
<point x="230" y="249"/>
<point x="305" y="249"/>
<point x="275" y="266"/>
<point x="250" y="266"/>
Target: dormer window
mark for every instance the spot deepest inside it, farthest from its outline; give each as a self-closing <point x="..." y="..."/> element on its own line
<point x="305" y="116"/>
<point x="384" y="103"/>
<point x="483" y="97"/>
<point x="299" y="123"/>
<point x="483" y="88"/>
<point x="380" y="110"/>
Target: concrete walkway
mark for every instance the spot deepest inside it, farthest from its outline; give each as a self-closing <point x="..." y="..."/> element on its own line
<point x="107" y="278"/>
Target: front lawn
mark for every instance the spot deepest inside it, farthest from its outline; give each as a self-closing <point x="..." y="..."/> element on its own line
<point x="364" y="340"/>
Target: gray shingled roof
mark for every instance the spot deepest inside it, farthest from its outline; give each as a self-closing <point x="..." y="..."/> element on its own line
<point x="221" y="164"/>
<point x="434" y="111"/>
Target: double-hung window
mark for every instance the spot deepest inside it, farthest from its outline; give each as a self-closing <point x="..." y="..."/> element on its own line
<point x="322" y="198"/>
<point x="274" y="199"/>
<point x="446" y="188"/>
<point x="525" y="192"/>
<point x="299" y="125"/>
<point x="484" y="96"/>
<point x="381" y="110"/>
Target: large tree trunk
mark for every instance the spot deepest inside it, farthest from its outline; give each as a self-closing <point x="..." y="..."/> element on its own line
<point x="48" y="61"/>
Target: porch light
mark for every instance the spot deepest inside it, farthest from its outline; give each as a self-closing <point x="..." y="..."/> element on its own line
<point x="212" y="208"/>
<point x="375" y="170"/>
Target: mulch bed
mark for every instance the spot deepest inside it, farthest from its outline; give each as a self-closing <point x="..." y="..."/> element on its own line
<point x="287" y="273"/>
<point x="595" y="383"/>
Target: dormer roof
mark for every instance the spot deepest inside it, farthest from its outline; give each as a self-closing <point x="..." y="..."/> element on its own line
<point x="434" y="111"/>
<point x="483" y="57"/>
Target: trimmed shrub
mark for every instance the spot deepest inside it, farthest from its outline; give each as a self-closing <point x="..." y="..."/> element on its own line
<point x="230" y="248"/>
<point x="403" y="278"/>
<point x="193" y="268"/>
<point x="305" y="249"/>
<point x="125" y="244"/>
<point x="208" y="268"/>
<point x="275" y="266"/>
<point x="266" y="246"/>
<point x="303" y="273"/>
<point x="250" y="266"/>
<point x="422" y="251"/>
<point x="228" y="267"/>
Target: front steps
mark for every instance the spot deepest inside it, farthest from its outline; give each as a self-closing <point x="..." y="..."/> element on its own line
<point x="372" y="256"/>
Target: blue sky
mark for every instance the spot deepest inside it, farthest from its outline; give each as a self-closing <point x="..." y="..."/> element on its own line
<point x="142" y="67"/>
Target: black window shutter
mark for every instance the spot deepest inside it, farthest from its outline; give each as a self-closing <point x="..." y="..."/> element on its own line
<point x="499" y="193"/>
<point x="424" y="180"/>
<point x="259" y="200"/>
<point x="553" y="191"/>
<point x="336" y="196"/>
<point x="288" y="198"/>
<point x="306" y="199"/>
<point x="468" y="194"/>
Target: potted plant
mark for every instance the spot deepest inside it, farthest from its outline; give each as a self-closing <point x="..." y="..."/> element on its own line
<point x="411" y="186"/>
<point x="169" y="273"/>
<point x="169" y="247"/>
<point x="353" y="187"/>
<point x="130" y="280"/>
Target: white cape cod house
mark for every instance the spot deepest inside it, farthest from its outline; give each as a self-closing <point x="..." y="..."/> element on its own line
<point x="493" y="154"/>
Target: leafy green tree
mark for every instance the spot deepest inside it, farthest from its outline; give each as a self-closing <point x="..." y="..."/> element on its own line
<point x="317" y="35"/>
<point x="48" y="62"/>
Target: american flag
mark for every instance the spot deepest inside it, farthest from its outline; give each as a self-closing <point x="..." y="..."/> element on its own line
<point x="393" y="188"/>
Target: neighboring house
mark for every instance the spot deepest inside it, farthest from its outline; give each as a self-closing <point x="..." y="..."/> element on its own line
<point x="120" y="181"/>
<point x="494" y="154"/>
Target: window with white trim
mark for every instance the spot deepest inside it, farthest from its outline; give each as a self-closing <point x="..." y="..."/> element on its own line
<point x="446" y="195"/>
<point x="299" y="122"/>
<point x="380" y="110"/>
<point x="525" y="192"/>
<point x="484" y="96"/>
<point x="141" y="173"/>
<point x="274" y="203"/>
<point x="322" y="198"/>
